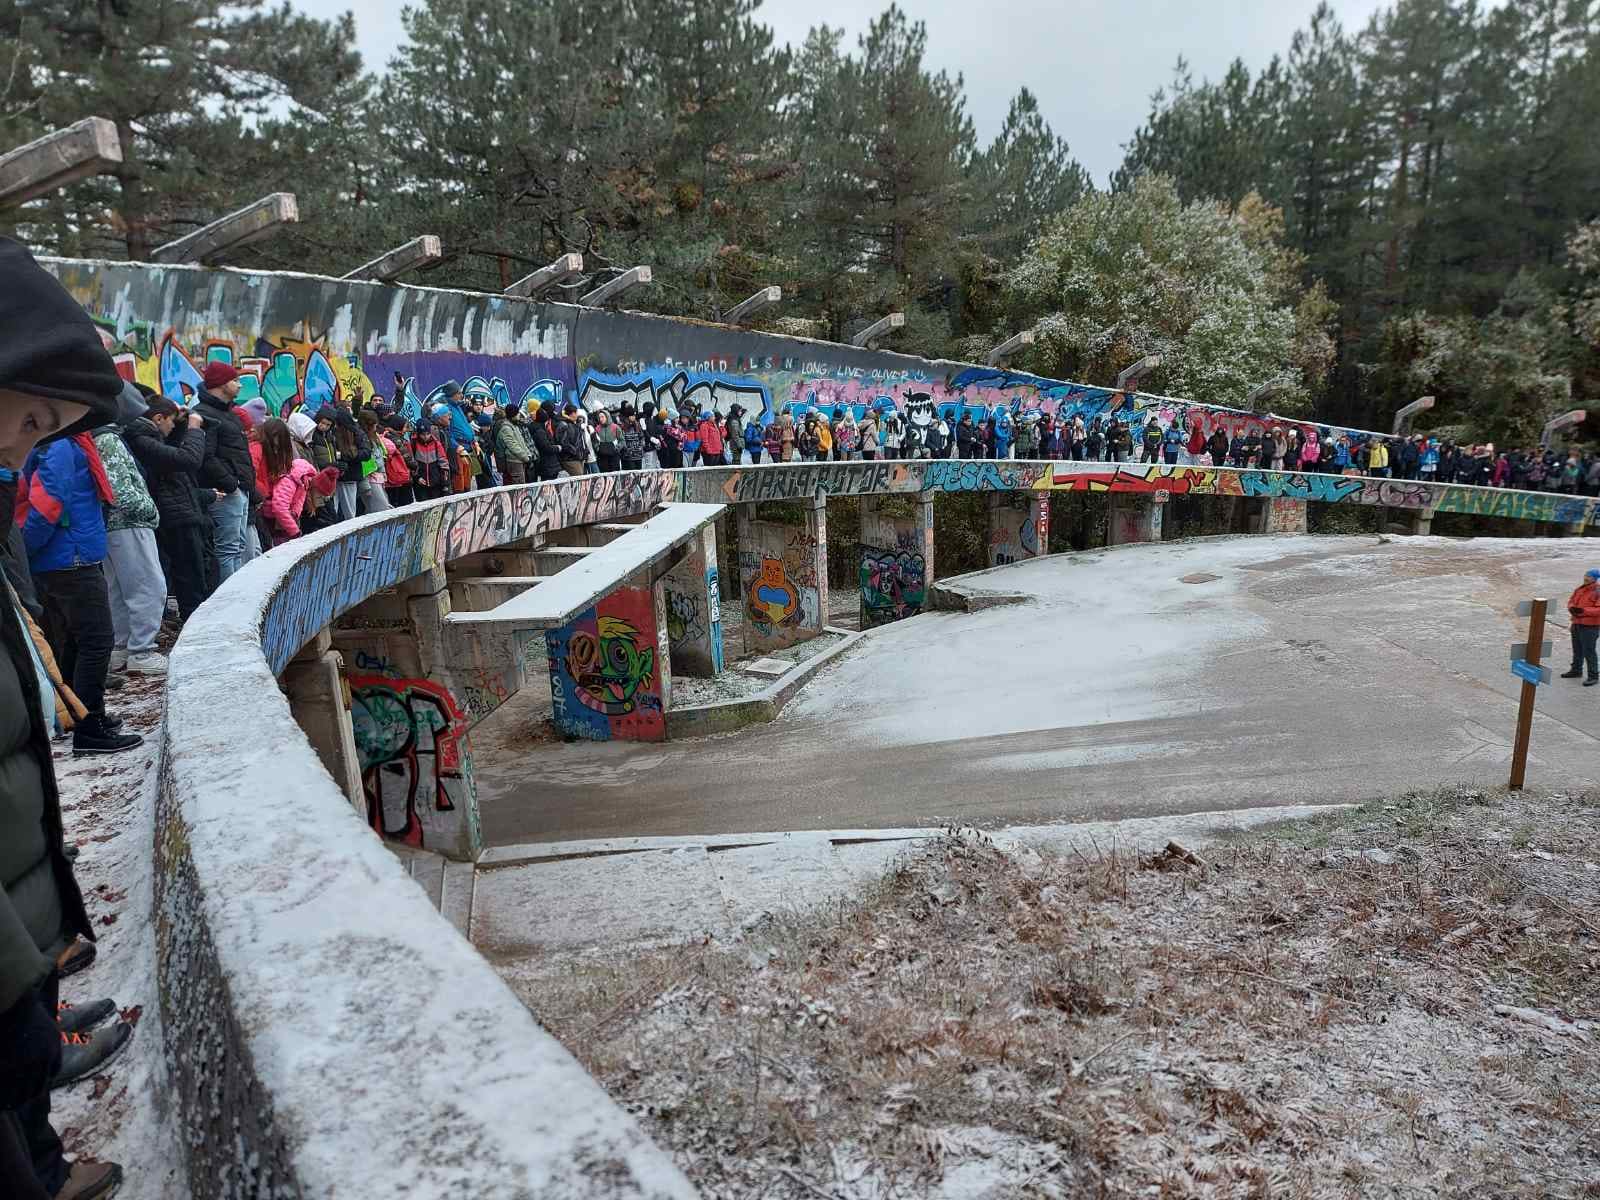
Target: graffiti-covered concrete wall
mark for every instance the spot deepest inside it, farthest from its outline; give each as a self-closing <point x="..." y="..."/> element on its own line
<point x="894" y="559"/>
<point x="610" y="670"/>
<point x="300" y="340"/>
<point x="783" y="580"/>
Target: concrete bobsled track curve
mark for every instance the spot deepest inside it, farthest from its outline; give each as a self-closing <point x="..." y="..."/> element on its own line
<point x="329" y="1033"/>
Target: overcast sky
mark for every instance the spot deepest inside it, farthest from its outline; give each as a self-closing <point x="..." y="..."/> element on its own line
<point x="1092" y="63"/>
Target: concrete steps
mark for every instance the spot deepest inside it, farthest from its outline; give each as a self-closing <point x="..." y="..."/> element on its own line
<point x="449" y="885"/>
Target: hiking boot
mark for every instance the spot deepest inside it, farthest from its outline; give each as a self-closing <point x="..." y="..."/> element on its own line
<point x="85" y="1054"/>
<point x="147" y="663"/>
<point x="115" y="681"/>
<point x="94" y="735"/>
<point x="90" y="1180"/>
<point x="80" y="1018"/>
<point x="79" y="956"/>
<point x="70" y="851"/>
<point x="119" y="660"/>
<point x="1575" y="673"/>
<point x="1591" y="681"/>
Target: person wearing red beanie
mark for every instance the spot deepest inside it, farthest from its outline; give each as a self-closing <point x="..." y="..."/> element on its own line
<point x="228" y="469"/>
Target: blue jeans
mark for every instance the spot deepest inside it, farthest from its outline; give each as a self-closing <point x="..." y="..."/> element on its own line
<point x="229" y="515"/>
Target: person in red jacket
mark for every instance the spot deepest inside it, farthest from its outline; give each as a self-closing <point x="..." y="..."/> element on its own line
<point x="709" y="432"/>
<point x="1583" y="607"/>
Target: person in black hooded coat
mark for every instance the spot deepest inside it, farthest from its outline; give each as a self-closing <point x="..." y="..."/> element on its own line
<point x="56" y="380"/>
<point x="169" y="445"/>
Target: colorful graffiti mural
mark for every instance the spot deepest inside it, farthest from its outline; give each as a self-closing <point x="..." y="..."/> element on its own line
<point x="893" y="585"/>
<point x="606" y="671"/>
<point x="411" y="741"/>
<point x="1018" y="531"/>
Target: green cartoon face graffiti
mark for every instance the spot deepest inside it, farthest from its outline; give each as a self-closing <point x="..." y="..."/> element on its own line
<point x="609" y="669"/>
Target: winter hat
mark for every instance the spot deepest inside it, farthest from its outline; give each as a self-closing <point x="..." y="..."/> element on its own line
<point x="130" y="404"/>
<point x="395" y="422"/>
<point x="452" y="388"/>
<point x="48" y="345"/>
<point x="218" y="374"/>
<point x="513" y="407"/>
<point x="301" y="427"/>
<point x="257" y="408"/>
<point x="485" y="421"/>
<point x="326" y="480"/>
<point x="1592" y="573"/>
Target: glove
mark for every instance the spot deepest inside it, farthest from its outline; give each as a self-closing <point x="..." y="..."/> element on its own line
<point x="30" y="1051"/>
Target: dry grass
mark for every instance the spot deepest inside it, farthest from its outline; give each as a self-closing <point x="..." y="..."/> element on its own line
<point x="1288" y="1020"/>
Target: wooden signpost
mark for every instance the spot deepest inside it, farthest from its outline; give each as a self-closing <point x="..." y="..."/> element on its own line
<point x="1525" y="666"/>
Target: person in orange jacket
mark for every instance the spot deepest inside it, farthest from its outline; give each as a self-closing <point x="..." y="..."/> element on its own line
<point x="1583" y="607"/>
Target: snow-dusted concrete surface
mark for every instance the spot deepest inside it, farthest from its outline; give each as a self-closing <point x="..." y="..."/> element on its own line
<point x="126" y="1113"/>
<point x="541" y="905"/>
<point x="1310" y="670"/>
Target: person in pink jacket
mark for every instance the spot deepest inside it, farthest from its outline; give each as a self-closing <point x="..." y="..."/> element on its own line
<point x="1310" y="451"/>
<point x="291" y="480"/>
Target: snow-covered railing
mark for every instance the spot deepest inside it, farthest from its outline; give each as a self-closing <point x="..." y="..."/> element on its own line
<point x="329" y="1033"/>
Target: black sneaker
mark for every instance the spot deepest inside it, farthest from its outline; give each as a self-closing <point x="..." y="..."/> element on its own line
<point x="1591" y="681"/>
<point x="85" y="1054"/>
<point x="115" y="681"/>
<point x="95" y="736"/>
<point x="80" y="1018"/>
<point x="1575" y="673"/>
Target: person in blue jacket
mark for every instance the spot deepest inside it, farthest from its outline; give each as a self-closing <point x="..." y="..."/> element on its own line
<point x="1172" y="442"/>
<point x="59" y="500"/>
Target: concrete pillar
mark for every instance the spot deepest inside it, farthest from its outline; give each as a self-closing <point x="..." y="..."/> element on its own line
<point x="1280" y="515"/>
<point x="321" y="707"/>
<point x="691" y="594"/>
<point x="783" y="578"/>
<point x="1133" y="518"/>
<point x="1422" y="522"/>
<point x="1019" y="526"/>
<point x="407" y="671"/>
<point x="611" y="667"/>
<point x="894" y="557"/>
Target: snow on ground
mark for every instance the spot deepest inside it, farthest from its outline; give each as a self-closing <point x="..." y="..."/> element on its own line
<point x="126" y="1113"/>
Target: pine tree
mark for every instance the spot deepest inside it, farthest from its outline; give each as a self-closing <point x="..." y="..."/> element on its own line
<point x="215" y="104"/>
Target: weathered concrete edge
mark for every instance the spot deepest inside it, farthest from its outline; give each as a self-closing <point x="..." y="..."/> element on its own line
<point x="724" y="716"/>
<point x="281" y="934"/>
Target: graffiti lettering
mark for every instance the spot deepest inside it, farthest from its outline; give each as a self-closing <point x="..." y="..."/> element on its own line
<point x="893" y="585"/>
<point x="411" y="740"/>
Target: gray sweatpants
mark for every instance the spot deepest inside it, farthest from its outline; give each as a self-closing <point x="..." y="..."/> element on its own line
<point x="138" y="589"/>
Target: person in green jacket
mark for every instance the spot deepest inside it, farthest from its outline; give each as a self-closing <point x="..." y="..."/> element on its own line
<point x="133" y="564"/>
<point x="56" y="380"/>
<point x="510" y="447"/>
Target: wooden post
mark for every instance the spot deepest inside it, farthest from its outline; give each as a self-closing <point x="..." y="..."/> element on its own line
<point x="1519" y="752"/>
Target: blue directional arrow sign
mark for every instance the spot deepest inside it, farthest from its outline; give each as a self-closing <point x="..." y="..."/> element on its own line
<point x="1528" y="673"/>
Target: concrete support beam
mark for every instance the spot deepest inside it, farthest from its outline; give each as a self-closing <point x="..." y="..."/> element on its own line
<point x="894" y="557"/>
<point x="320" y="705"/>
<point x="783" y="578"/>
<point x="633" y="277"/>
<point x="386" y="268"/>
<point x="480" y="593"/>
<point x="568" y="266"/>
<point x="88" y="147"/>
<point x="416" y="686"/>
<point x="895" y="320"/>
<point x="1019" y="526"/>
<point x="250" y="224"/>
<point x="752" y="304"/>
<point x="691" y="593"/>
<point x="611" y="667"/>
<point x="1422" y="522"/>
<point x="1133" y="519"/>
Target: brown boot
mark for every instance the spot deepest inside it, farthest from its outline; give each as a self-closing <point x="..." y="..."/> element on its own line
<point x="90" y="1180"/>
